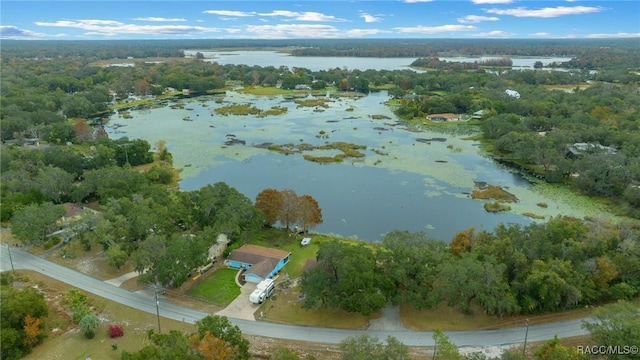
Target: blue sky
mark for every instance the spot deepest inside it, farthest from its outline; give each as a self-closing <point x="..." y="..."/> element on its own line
<point x="304" y="19"/>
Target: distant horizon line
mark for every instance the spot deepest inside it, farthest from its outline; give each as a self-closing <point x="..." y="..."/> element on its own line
<point x="336" y="39"/>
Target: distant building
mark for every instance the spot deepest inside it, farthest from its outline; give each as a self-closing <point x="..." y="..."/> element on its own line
<point x="580" y="149"/>
<point x="512" y="93"/>
<point x="216" y="250"/>
<point x="480" y="114"/>
<point x="443" y="117"/>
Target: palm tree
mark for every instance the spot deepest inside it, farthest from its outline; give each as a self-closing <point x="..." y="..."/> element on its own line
<point x="88" y="324"/>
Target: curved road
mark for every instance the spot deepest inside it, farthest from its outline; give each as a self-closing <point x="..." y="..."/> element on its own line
<point x="144" y="302"/>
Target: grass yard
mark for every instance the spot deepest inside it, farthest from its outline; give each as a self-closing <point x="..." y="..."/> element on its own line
<point x="285" y="307"/>
<point x="220" y="287"/>
<point x="452" y="319"/>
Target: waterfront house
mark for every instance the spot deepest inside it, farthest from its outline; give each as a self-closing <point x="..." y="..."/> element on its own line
<point x="259" y="262"/>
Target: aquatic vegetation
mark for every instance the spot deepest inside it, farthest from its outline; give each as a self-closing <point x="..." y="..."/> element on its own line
<point x="496" y="206"/>
<point x="238" y="109"/>
<point x="125" y="115"/>
<point x="493" y="192"/>
<point x="317" y="102"/>
<point x="274" y="110"/>
<point x="534" y="216"/>
<point x="347" y="150"/>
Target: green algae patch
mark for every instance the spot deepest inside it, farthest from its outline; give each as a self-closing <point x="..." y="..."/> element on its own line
<point x="493" y="192"/>
<point x="275" y="110"/>
<point x="238" y="109"/>
<point x="496" y="207"/>
<point x="346" y="150"/>
<point x="315" y="103"/>
<point x="534" y="216"/>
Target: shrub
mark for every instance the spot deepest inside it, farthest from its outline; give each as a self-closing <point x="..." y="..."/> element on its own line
<point x="115" y="331"/>
<point x="6" y="278"/>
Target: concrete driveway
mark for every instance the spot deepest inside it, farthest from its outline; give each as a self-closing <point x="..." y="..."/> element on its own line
<point x="241" y="307"/>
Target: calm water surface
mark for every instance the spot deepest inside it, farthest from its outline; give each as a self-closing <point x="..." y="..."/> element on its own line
<point x="407" y="185"/>
<point x="317" y="63"/>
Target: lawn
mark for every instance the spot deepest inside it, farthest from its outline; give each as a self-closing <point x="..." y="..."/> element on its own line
<point x="220" y="287"/>
<point x="285" y="307"/>
<point x="448" y="318"/>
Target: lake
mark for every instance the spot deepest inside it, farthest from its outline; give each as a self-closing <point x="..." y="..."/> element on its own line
<point x="317" y="63"/>
<point x="403" y="182"/>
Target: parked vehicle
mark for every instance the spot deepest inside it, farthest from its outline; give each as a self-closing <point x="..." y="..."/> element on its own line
<point x="264" y="290"/>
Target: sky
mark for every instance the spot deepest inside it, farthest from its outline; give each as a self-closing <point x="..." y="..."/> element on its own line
<point x="318" y="19"/>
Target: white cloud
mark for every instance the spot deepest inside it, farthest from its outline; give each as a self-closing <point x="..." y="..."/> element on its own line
<point x="548" y="12"/>
<point x="541" y="34"/>
<point x="113" y="28"/>
<point x="370" y="18"/>
<point x="302" y="31"/>
<point x="495" y="34"/>
<point x="159" y="19"/>
<point x="617" y="35"/>
<point x="492" y="1"/>
<point x="435" y="29"/>
<point x="9" y="31"/>
<point x="417" y="1"/>
<point x="230" y="13"/>
<point x="357" y="33"/>
<point x="302" y="16"/>
<point x="474" y="19"/>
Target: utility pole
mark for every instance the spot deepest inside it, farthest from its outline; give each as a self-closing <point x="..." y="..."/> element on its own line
<point x="524" y="348"/>
<point x="157" y="306"/>
<point x="10" y="258"/>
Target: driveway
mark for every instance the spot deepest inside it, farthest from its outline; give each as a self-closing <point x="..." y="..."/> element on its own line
<point x="389" y="321"/>
<point x="241" y="307"/>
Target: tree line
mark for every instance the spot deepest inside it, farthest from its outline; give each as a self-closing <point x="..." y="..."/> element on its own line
<point x="562" y="264"/>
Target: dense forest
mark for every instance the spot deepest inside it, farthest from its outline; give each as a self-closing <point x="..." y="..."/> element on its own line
<point x="54" y="152"/>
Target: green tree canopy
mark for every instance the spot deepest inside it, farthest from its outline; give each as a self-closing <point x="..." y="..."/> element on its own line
<point x="346" y="277"/>
<point x="17" y="307"/>
<point x="412" y="261"/>
<point x="367" y="347"/>
<point x="614" y="325"/>
<point x="33" y="223"/>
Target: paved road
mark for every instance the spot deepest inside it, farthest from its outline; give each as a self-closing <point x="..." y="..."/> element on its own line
<point x="146" y="302"/>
